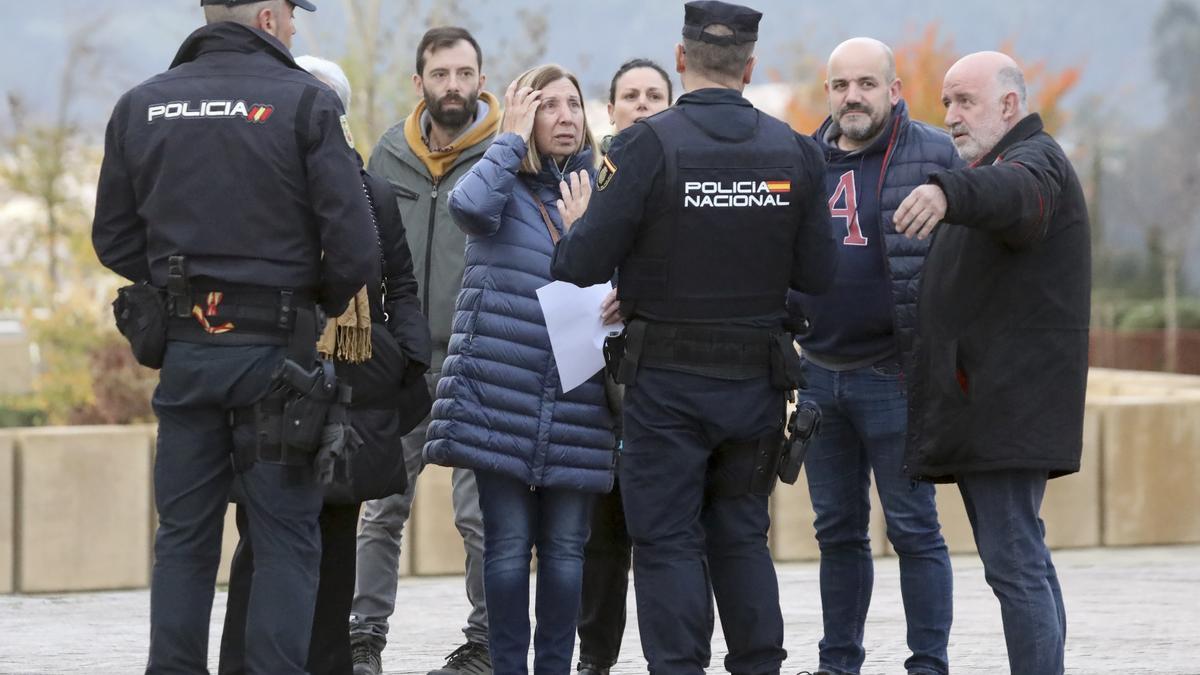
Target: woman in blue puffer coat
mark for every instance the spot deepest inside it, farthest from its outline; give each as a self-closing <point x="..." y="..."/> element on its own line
<point x="539" y="454"/>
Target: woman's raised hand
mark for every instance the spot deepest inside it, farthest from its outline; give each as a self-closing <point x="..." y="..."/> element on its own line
<point x="575" y="197"/>
<point x="520" y="108"/>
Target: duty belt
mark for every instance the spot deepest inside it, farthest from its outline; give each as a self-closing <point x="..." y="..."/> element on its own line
<point x="233" y="315"/>
<point x="701" y="345"/>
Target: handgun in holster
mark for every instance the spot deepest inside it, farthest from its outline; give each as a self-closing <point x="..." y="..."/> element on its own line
<point x="802" y="426"/>
<point x="291" y="423"/>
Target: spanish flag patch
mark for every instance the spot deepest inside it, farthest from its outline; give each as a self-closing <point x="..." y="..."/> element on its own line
<point x="607" y="171"/>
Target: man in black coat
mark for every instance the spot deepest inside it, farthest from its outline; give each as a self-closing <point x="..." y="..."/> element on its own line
<point x="996" y="401"/>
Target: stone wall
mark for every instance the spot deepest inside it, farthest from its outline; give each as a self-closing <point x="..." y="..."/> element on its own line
<point x="76" y="504"/>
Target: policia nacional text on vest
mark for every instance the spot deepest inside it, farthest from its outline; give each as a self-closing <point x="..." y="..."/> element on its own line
<point x="694" y="298"/>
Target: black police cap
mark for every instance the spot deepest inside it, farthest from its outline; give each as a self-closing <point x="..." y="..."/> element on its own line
<point x="302" y="4"/>
<point x="700" y="14"/>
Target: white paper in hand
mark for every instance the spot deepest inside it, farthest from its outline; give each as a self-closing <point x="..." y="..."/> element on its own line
<point x="576" y="334"/>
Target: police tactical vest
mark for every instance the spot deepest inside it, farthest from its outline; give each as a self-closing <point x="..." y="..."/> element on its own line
<point x="724" y="248"/>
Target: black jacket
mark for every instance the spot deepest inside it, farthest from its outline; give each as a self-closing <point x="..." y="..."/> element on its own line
<point x="389" y="394"/>
<point x="636" y="195"/>
<point x="236" y="158"/>
<point x="1003" y="317"/>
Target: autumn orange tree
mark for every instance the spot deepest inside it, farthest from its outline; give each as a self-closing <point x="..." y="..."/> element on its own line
<point x="921" y="64"/>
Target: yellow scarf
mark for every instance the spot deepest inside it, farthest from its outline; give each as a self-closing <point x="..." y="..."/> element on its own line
<point x="440" y="162"/>
<point x="348" y="337"/>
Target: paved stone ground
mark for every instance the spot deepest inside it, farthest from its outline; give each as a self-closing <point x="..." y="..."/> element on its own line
<point x="1128" y="611"/>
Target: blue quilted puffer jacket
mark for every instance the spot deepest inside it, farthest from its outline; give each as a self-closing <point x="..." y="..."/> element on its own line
<point x="499" y="404"/>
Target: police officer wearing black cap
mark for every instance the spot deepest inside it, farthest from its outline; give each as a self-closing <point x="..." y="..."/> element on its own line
<point x="708" y="211"/>
<point x="230" y="186"/>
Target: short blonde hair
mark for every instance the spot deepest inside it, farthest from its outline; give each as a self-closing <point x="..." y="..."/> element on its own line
<point x="537" y="78"/>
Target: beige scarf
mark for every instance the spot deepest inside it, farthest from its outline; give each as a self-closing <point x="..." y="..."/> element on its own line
<point x="348" y="337"/>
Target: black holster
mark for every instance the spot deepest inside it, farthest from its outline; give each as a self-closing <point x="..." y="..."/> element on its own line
<point x="623" y="353"/>
<point x="745" y="467"/>
<point x="292" y="423"/>
<point x="141" y="314"/>
<point x="802" y="427"/>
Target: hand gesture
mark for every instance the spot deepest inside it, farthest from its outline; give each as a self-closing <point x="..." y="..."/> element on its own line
<point x="920" y="211"/>
<point x="610" y="309"/>
<point x="520" y="109"/>
<point x="575" y="197"/>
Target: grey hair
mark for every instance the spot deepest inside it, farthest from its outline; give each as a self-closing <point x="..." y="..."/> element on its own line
<point x="1011" y="79"/>
<point x="330" y="73"/>
<point x="247" y="14"/>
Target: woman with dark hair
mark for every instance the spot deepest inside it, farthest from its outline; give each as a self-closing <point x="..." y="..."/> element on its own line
<point x="539" y="453"/>
<point x="639" y="89"/>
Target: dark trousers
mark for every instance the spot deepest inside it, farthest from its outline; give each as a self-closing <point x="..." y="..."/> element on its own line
<point x="193" y="475"/>
<point x="673" y="424"/>
<point x="863" y="423"/>
<point x="516" y="520"/>
<point x="605" y="582"/>
<point x="1004" y="507"/>
<point x="329" y="647"/>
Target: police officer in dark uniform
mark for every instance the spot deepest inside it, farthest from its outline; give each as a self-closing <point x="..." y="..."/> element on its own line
<point x="229" y="186"/>
<point x="709" y="211"/>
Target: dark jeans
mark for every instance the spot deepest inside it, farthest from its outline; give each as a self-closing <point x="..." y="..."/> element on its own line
<point x="1003" y="507"/>
<point x="605" y="582"/>
<point x="193" y="474"/>
<point x="673" y="424"/>
<point x="863" y="427"/>
<point x="516" y="519"/>
<point x="329" y="648"/>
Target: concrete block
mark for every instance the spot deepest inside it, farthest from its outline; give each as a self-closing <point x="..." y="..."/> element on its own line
<point x="229" y="540"/>
<point x="437" y="548"/>
<point x="1107" y="383"/>
<point x="792" y="536"/>
<point x="83" y="508"/>
<point x="1071" y="506"/>
<point x="7" y="510"/>
<point x="1151" y="454"/>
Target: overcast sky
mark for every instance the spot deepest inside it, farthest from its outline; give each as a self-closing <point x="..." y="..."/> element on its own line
<point x="1111" y="39"/>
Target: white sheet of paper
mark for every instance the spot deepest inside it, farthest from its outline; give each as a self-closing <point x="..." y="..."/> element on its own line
<point x="576" y="334"/>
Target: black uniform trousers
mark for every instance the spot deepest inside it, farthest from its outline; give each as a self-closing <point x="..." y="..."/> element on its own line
<point x="683" y="538"/>
<point x="605" y="582"/>
<point x="329" y="647"/>
<point x="193" y="476"/>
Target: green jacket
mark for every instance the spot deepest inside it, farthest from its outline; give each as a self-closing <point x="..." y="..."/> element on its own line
<point x="436" y="242"/>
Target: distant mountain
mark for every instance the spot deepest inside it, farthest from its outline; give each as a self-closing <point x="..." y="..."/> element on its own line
<point x="1111" y="39"/>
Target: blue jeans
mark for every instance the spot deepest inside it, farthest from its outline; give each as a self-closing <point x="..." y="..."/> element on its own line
<point x="193" y="475"/>
<point x="1003" y="508"/>
<point x="686" y="537"/>
<point x="515" y="520"/>
<point x="863" y="426"/>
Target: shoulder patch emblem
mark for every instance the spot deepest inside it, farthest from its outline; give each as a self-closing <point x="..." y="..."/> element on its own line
<point x="607" y="171"/>
<point x="346" y="131"/>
